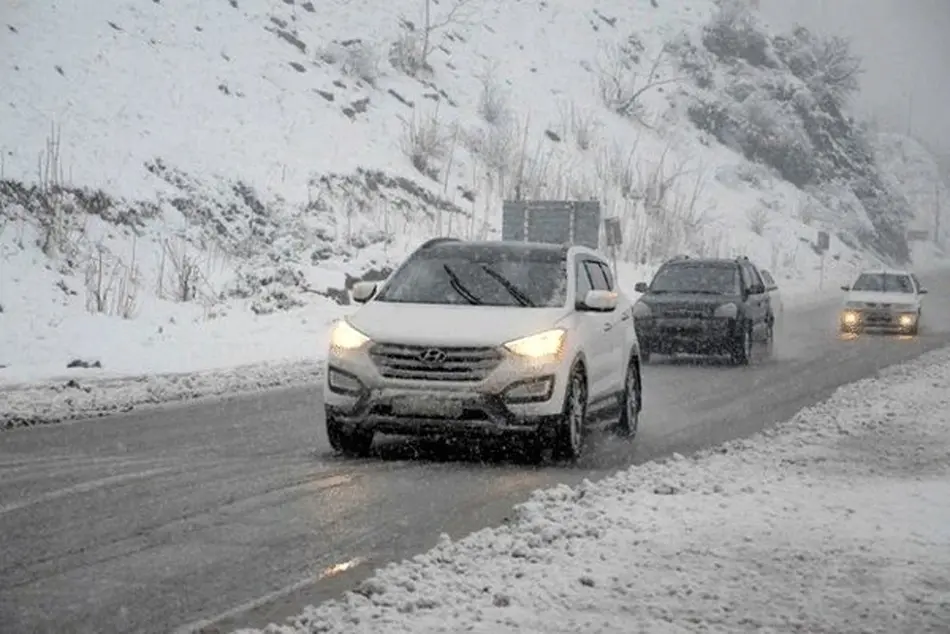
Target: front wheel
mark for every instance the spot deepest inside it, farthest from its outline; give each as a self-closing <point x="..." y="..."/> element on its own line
<point x="742" y="346"/>
<point x="353" y="443"/>
<point x="569" y="440"/>
<point x="631" y="403"/>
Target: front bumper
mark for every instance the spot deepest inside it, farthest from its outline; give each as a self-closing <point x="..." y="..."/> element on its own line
<point x="516" y="397"/>
<point x="470" y="415"/>
<point x="855" y="319"/>
<point x="666" y="335"/>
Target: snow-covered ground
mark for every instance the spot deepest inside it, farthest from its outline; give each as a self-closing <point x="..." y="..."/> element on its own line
<point x="836" y="521"/>
<point x="189" y="187"/>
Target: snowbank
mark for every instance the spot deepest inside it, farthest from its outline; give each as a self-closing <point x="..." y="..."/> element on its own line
<point x="836" y="521"/>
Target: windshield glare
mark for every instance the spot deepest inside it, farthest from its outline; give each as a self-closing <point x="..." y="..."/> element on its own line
<point x="722" y="280"/>
<point x="883" y="283"/>
<point x="533" y="280"/>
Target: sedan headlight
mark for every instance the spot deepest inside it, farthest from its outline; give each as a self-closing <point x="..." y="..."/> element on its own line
<point x="345" y="337"/>
<point x="728" y="311"/>
<point x="641" y="309"/>
<point x="549" y="343"/>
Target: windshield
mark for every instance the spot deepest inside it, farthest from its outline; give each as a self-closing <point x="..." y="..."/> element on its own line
<point x="884" y="283"/>
<point x="718" y="280"/>
<point x="494" y="278"/>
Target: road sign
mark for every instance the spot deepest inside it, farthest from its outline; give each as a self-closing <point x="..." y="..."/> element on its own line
<point x="823" y="241"/>
<point x="612" y="232"/>
<point x="552" y="221"/>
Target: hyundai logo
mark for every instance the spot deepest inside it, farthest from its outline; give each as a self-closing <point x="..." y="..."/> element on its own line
<point x="433" y="356"/>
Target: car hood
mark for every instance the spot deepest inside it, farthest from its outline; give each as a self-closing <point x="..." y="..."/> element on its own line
<point x="871" y="297"/>
<point x="452" y="325"/>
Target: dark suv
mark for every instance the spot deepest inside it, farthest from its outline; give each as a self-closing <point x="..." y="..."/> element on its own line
<point x="704" y="306"/>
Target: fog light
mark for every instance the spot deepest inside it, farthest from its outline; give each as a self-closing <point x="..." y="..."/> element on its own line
<point x="530" y="391"/>
<point x="849" y="318"/>
<point x="906" y="321"/>
<point x="343" y="382"/>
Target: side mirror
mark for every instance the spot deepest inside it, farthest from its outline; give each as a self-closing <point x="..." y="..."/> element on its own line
<point x="846" y="288"/>
<point x="599" y="302"/>
<point x="922" y="291"/>
<point x="362" y="292"/>
<point x="641" y="287"/>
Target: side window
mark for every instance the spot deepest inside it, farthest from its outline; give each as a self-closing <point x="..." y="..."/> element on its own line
<point x="607" y="275"/>
<point x="583" y="284"/>
<point x="746" y="280"/>
<point x="597" y="275"/>
<point x="753" y="276"/>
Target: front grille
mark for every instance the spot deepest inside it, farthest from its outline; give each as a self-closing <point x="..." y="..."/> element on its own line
<point x="434" y="363"/>
<point x="685" y="313"/>
<point x="873" y="305"/>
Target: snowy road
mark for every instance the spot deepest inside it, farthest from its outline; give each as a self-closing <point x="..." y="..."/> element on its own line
<point x="155" y="520"/>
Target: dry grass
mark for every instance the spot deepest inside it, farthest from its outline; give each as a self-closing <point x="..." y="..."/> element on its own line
<point x="425" y="142"/>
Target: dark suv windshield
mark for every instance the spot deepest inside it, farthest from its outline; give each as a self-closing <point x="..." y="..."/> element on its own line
<point x="697" y="278"/>
<point x="490" y="277"/>
<point x="883" y="283"/>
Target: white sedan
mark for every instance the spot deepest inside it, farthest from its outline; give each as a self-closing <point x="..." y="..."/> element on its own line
<point x="888" y="299"/>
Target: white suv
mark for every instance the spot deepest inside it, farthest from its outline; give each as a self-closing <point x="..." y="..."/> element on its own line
<point x="485" y="339"/>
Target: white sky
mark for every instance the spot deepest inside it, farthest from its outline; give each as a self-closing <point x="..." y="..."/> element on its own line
<point x="905" y="45"/>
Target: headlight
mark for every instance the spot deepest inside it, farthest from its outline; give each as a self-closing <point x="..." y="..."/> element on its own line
<point x="345" y="337"/>
<point x="549" y="343"/>
<point x="641" y="310"/>
<point x="854" y="305"/>
<point x="729" y="311"/>
<point x="849" y="318"/>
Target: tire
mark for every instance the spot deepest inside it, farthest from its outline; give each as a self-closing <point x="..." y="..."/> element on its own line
<point x="742" y="346"/>
<point x="572" y="426"/>
<point x="352" y="444"/>
<point x="631" y="403"/>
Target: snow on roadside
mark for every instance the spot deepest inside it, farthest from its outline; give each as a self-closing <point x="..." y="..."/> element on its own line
<point x="836" y="521"/>
<point x="78" y="398"/>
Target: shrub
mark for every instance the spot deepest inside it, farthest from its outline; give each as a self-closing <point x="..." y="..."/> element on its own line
<point x="425" y="142"/>
<point x="355" y="58"/>
<point x="733" y="34"/>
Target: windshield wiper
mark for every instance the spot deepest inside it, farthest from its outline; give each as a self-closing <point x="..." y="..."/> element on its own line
<point x="459" y="288"/>
<point x="513" y="290"/>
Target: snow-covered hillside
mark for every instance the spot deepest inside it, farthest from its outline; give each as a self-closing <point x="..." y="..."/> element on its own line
<point x="190" y="185"/>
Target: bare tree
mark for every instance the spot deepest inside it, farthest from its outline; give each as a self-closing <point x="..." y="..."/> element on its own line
<point x="410" y="53"/>
<point x="621" y="87"/>
<point x="458" y="13"/>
